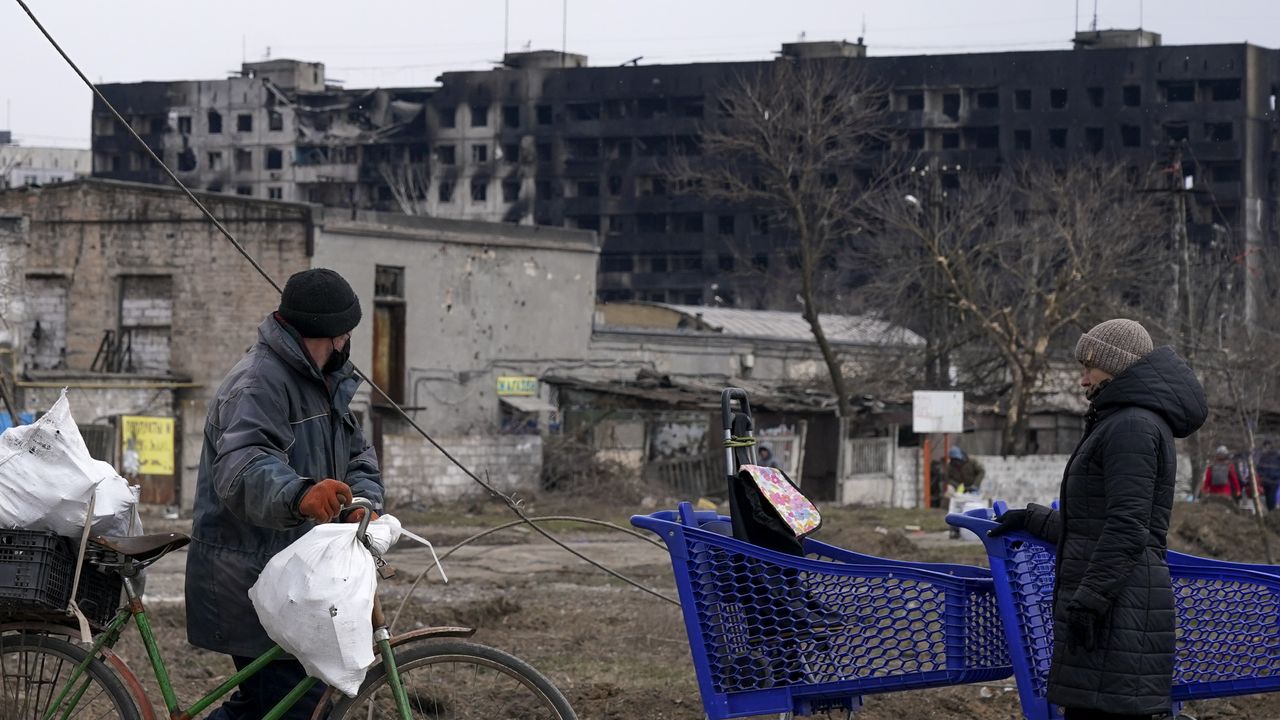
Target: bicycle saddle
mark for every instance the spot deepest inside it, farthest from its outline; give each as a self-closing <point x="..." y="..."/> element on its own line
<point x="144" y="548"/>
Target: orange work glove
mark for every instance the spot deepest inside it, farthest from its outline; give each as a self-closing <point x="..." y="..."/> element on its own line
<point x="355" y="515"/>
<point x="324" y="500"/>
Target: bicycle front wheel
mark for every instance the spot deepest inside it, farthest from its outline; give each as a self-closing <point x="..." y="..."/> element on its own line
<point x="458" y="680"/>
<point x="34" y="670"/>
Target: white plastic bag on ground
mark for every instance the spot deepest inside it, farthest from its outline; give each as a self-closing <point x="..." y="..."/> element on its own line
<point x="315" y="599"/>
<point x="47" y="477"/>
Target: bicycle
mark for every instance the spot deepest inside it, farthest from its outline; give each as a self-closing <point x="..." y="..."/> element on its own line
<point x="426" y="673"/>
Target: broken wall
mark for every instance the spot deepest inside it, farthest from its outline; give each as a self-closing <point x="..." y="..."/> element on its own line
<point x="143" y="257"/>
<point x="481" y="300"/>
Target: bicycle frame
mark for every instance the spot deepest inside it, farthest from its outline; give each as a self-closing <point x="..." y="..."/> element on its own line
<point x="137" y="612"/>
<point x="70" y="694"/>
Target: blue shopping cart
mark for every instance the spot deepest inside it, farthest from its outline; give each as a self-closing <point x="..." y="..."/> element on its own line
<point x="771" y="632"/>
<point x="1228" y="618"/>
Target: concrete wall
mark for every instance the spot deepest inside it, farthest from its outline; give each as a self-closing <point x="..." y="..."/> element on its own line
<point x="92" y="234"/>
<point x="481" y="300"/>
<point x="97" y="405"/>
<point x="1016" y="480"/>
<point x="13" y="252"/>
<point x="416" y="475"/>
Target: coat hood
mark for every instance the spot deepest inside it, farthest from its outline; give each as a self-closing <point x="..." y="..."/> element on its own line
<point x="1160" y="382"/>
<point x="286" y="343"/>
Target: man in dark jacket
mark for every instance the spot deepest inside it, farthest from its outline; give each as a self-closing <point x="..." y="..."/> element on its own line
<point x="1113" y="602"/>
<point x="1268" y="465"/>
<point x="281" y="453"/>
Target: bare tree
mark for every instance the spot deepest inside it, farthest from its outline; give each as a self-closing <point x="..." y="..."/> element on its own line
<point x="8" y="161"/>
<point x="1020" y="262"/>
<point x="793" y="143"/>
<point x="409" y="182"/>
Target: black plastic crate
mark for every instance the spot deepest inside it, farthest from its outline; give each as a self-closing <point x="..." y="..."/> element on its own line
<point x="35" y="579"/>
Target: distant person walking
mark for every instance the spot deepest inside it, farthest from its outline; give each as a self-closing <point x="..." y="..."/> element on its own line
<point x="1268" y="465"/>
<point x="1220" y="477"/>
<point x="765" y="457"/>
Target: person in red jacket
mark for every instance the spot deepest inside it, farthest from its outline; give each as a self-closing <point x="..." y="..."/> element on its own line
<point x="1220" y="477"/>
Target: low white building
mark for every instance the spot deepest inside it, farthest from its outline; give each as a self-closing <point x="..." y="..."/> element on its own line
<point x="23" y="165"/>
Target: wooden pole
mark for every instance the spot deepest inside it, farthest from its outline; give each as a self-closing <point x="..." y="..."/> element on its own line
<point x="4" y="395"/>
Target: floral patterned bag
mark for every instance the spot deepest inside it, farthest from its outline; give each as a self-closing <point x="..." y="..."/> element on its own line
<point x="795" y="510"/>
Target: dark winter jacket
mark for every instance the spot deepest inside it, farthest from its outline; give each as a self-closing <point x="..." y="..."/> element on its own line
<point x="1116" y="498"/>
<point x="273" y="430"/>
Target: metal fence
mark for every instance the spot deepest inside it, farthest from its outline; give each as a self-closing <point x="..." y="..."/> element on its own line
<point x="101" y="440"/>
<point x="869" y="456"/>
<point x="694" y="476"/>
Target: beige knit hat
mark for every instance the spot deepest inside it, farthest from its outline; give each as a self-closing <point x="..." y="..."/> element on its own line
<point x="1113" y="346"/>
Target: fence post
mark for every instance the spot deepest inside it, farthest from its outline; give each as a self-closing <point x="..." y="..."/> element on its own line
<point x="928" y="480"/>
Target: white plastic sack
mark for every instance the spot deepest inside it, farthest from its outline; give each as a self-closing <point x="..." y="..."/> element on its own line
<point x="47" y="477"/>
<point x="315" y="600"/>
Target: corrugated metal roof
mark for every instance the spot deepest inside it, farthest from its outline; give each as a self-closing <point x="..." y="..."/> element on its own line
<point x="844" y="329"/>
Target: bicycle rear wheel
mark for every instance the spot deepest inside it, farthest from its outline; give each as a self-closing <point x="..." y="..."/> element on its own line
<point x="34" y="669"/>
<point x="458" y="680"/>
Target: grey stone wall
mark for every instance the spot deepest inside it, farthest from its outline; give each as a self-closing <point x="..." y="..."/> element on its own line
<point x="1016" y="480"/>
<point x="416" y="475"/>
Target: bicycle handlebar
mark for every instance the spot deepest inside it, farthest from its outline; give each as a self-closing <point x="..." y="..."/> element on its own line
<point x="362" y="532"/>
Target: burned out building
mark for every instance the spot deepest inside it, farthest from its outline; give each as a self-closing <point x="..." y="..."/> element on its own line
<point x="584" y="147"/>
<point x="277" y="131"/>
<point x="547" y="139"/>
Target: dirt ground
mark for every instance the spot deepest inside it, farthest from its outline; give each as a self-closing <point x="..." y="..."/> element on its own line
<point x="618" y="652"/>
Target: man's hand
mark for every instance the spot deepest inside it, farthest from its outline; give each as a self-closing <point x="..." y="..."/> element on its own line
<point x="355" y="515"/>
<point x="1011" y="521"/>
<point x="325" y="500"/>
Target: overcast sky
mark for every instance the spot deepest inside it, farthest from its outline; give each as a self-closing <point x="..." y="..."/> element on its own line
<point x="381" y="42"/>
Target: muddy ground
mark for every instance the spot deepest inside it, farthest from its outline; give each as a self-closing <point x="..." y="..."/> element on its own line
<point x="618" y="652"/>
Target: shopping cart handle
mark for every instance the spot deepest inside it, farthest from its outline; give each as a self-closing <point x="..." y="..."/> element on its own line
<point x="726" y="405"/>
<point x="696" y="518"/>
<point x="978" y="521"/>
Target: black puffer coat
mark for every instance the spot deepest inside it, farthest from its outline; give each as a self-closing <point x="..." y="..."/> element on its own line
<point x="1117" y="494"/>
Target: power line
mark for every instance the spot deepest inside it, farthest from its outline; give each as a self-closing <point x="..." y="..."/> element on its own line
<point x="147" y="148"/>
<point x="510" y="503"/>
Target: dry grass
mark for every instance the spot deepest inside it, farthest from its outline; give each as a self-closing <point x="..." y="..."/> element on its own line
<point x="619" y="654"/>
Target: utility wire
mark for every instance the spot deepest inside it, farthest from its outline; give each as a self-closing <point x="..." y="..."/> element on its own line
<point x="511" y="504"/>
<point x="530" y="521"/>
<point x="191" y="196"/>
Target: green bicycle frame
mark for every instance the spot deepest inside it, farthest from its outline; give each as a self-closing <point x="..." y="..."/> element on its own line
<point x="74" y="690"/>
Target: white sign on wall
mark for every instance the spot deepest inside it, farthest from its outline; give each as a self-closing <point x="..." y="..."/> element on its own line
<point x="937" y="411"/>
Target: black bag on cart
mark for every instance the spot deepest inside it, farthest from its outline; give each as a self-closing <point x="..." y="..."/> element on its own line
<point x="755" y="519"/>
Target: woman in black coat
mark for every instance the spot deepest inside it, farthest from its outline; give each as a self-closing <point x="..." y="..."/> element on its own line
<point x="1113" y="601"/>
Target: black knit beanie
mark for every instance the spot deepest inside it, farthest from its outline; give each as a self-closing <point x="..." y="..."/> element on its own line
<point x="319" y="303"/>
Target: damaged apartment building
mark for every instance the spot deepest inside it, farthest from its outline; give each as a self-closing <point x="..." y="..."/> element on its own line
<point x="277" y="131"/>
<point x="547" y="139"/>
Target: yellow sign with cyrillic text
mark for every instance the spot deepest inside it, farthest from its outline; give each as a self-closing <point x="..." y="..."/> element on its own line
<point x="152" y="439"/>
<point x="519" y="385"/>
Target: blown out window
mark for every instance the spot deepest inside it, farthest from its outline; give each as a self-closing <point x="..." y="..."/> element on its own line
<point x="388" y="331"/>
